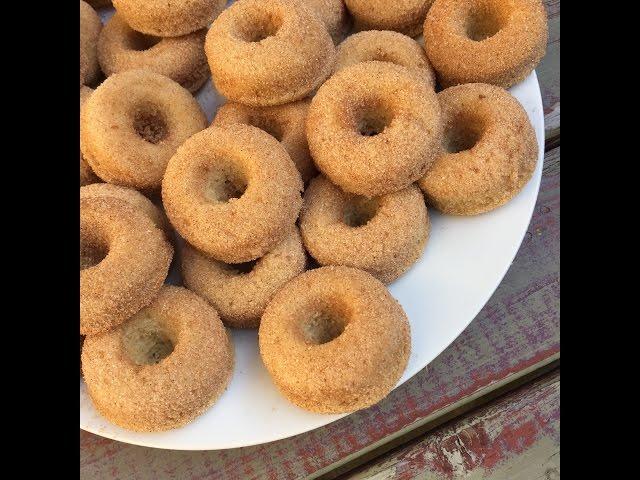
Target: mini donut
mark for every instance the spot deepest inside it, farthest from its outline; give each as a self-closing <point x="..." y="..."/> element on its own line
<point x="334" y="15"/>
<point x="283" y="122"/>
<point x="168" y="19"/>
<point x="124" y="259"/>
<point x="489" y="41"/>
<point x="182" y="59"/>
<point x="241" y="292"/>
<point x="268" y="53"/>
<point x="133" y="123"/>
<point x="374" y="128"/>
<point x="163" y="367"/>
<point x="86" y="174"/>
<point x="404" y="16"/>
<point x="383" y="236"/>
<point x="233" y="192"/>
<point x="385" y="46"/>
<point x="130" y="196"/>
<point x="490" y="151"/>
<point x="90" y="26"/>
<point x="334" y="340"/>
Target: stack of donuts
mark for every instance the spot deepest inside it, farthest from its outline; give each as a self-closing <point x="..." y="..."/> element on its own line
<point x="302" y="200"/>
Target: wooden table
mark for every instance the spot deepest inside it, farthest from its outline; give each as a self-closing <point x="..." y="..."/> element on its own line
<point x="487" y="407"/>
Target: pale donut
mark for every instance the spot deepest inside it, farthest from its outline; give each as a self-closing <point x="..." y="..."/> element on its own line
<point x="385" y="46"/>
<point x="124" y="259"/>
<point x="163" y="367"/>
<point x="383" y="236"/>
<point x="334" y="340"/>
<point x="240" y="293"/>
<point x="268" y="53"/>
<point x="133" y="123"/>
<point x="374" y="128"/>
<point x="285" y="123"/>
<point x="404" y="16"/>
<point x="182" y="59"/>
<point x="233" y="192"/>
<point x="164" y="18"/>
<point x="490" y="150"/>
<point x="130" y="196"/>
<point x="489" y="41"/>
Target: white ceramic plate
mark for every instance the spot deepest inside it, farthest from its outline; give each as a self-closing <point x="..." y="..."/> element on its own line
<point x="464" y="261"/>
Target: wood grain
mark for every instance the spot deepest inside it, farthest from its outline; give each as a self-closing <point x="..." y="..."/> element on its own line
<point x="549" y="75"/>
<point x="514" y="438"/>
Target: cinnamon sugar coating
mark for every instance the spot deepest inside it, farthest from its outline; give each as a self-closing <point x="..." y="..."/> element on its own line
<point x="124" y="259"/>
<point x="383" y="236"/>
<point x="268" y="53"/>
<point x="488" y="154"/>
<point x="485" y="41"/>
<point x="163" y="367"/>
<point x="182" y="59"/>
<point x="334" y="340"/>
<point x="233" y="192"/>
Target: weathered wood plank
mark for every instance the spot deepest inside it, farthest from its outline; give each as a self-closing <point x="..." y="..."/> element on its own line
<point x="514" y="438"/>
<point x="516" y="332"/>
<point x="549" y="75"/>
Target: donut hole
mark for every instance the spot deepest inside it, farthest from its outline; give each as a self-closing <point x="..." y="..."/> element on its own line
<point x="225" y="182"/>
<point x="139" y="41"/>
<point x="257" y="26"/>
<point x="244" y="268"/>
<point x="92" y="252"/>
<point x="149" y="123"/>
<point x="358" y="211"/>
<point x="322" y="327"/>
<point x="482" y="24"/>
<point x="462" y="134"/>
<point x="268" y="125"/>
<point x="372" y="120"/>
<point x="145" y="341"/>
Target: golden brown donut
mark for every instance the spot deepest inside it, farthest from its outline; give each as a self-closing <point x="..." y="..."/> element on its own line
<point x="86" y="174"/>
<point x="133" y="123"/>
<point x="334" y="340"/>
<point x="489" y="41"/>
<point x="490" y="151"/>
<point x="182" y="59"/>
<point x="383" y="236"/>
<point x="163" y="367"/>
<point x="124" y="259"/>
<point x="241" y="292"/>
<point x="164" y="18"/>
<point x="233" y="192"/>
<point x="374" y="128"/>
<point x="404" y="16"/>
<point x="283" y="122"/>
<point x="385" y="46"/>
<point x="90" y="26"/>
<point x="268" y="53"/>
<point x="130" y="196"/>
<point x="334" y="15"/>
